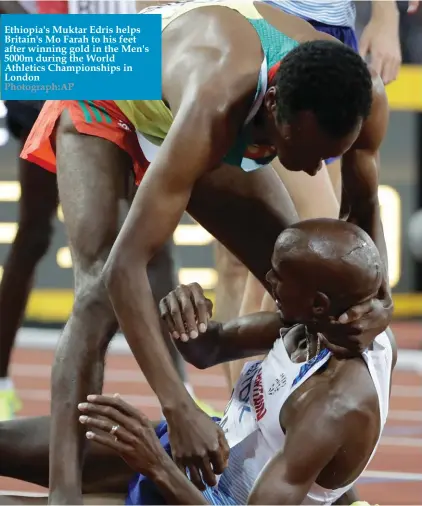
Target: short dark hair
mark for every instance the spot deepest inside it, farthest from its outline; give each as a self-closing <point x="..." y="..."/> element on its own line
<point x="327" y="78"/>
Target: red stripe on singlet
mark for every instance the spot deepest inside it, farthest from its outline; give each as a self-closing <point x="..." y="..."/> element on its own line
<point x="52" y="7"/>
<point x="273" y="71"/>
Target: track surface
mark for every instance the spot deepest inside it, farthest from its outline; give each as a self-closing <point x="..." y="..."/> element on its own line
<point x="393" y="477"/>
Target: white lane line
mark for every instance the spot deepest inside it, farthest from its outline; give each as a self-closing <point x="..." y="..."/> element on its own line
<point x="393" y="475"/>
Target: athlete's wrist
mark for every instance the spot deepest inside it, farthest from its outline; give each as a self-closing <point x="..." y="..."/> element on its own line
<point x="383" y="11"/>
<point x="177" y="405"/>
<point x="161" y="469"/>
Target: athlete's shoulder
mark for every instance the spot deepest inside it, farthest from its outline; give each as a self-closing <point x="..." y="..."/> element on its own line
<point x="375" y="126"/>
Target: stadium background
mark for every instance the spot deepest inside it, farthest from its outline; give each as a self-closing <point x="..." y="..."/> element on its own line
<point x="395" y="476"/>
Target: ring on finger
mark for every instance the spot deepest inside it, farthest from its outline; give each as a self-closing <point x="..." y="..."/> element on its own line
<point x="114" y="430"/>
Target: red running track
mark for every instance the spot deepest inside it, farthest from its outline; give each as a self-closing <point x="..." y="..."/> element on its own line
<point x="395" y="474"/>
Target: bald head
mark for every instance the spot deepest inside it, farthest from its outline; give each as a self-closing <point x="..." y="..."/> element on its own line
<point x="331" y="259"/>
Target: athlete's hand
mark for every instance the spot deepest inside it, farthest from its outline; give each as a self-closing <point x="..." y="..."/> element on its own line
<point x="356" y="329"/>
<point x="380" y="39"/>
<point x="198" y="445"/>
<point x="114" y="423"/>
<point x="186" y="311"/>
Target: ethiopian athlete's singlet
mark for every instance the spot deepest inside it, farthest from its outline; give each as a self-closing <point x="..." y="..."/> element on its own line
<point x="152" y="118"/>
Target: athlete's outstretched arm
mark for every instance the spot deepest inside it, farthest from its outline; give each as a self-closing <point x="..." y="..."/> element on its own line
<point x="360" y="172"/>
<point x="360" y="168"/>
<point x="207" y="119"/>
<point x="244" y="337"/>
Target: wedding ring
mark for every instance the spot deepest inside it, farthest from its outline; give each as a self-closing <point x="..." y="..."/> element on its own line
<point x="114" y="429"/>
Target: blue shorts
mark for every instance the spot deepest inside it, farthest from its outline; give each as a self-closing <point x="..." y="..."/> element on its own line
<point x="142" y="491"/>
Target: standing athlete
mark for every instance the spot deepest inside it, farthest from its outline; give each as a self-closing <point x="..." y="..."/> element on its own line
<point x="228" y="108"/>
<point x="37" y="209"/>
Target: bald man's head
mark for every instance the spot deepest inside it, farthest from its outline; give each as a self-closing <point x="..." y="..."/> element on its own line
<point x="322" y="267"/>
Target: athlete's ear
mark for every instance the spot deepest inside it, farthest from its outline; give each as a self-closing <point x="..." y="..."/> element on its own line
<point x="321" y="306"/>
<point x="270" y="100"/>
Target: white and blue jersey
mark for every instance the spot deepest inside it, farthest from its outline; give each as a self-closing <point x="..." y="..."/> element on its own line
<point x="252" y="428"/>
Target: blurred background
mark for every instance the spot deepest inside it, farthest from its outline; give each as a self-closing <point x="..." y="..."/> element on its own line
<point x="399" y="459"/>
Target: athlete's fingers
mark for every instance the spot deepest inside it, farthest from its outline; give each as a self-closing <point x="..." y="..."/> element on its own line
<point x="390" y="70"/>
<point x="202" y="305"/>
<point x="195" y="477"/>
<point x="221" y="456"/>
<point x="356" y="312"/>
<point x="117" y="431"/>
<point x="165" y="316"/>
<point x="176" y="315"/>
<point x="180" y="465"/>
<point x="208" y="475"/>
<point x="183" y="294"/>
<point x="118" y="403"/>
<point x="115" y="413"/>
<point x="340" y="351"/>
<point x="108" y="414"/>
<point x="107" y="440"/>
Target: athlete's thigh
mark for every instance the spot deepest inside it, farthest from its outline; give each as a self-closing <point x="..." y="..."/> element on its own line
<point x="313" y="196"/>
<point x="39" y="196"/>
<point x="91" y="175"/>
<point x="244" y="211"/>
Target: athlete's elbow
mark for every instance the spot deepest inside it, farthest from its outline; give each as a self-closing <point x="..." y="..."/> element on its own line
<point x="118" y="271"/>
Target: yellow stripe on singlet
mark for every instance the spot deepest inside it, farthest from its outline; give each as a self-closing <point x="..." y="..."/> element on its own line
<point x="152" y="117"/>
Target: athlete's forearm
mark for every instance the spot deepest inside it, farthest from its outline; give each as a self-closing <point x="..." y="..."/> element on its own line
<point x="384" y="11"/>
<point x="242" y="337"/>
<point x="174" y="485"/>
<point x="370" y="221"/>
<point x="205" y="350"/>
<point x="136" y="312"/>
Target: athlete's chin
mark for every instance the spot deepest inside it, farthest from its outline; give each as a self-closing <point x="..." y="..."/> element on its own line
<point x="293" y="167"/>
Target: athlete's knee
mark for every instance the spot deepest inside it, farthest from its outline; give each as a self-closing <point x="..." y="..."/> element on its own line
<point x="92" y="323"/>
<point x="92" y="306"/>
<point x="86" y="337"/>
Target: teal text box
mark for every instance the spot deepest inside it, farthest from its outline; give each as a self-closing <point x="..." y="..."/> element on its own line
<point x="81" y="57"/>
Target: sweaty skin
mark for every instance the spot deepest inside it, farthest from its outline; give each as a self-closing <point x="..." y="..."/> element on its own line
<point x="209" y="103"/>
<point x="106" y="476"/>
<point x="244" y="211"/>
<point x="331" y="422"/>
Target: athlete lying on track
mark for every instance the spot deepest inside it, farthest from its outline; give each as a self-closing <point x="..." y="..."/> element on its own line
<point x="302" y="425"/>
